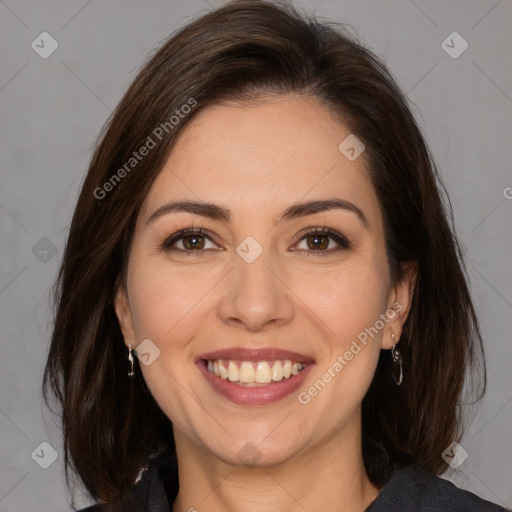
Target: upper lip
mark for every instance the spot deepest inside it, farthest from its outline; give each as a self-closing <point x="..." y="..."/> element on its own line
<point x="256" y="354"/>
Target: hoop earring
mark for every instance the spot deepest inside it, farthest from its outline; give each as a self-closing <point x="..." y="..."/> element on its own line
<point x="397" y="363"/>
<point x="130" y="358"/>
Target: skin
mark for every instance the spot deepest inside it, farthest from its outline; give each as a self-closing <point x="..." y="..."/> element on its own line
<point x="257" y="159"/>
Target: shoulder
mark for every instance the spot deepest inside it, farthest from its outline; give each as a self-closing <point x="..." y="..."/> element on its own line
<point x="155" y="487"/>
<point x="414" y="489"/>
<point x="450" y="497"/>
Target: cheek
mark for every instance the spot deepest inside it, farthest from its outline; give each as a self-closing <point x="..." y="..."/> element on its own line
<point x="349" y="302"/>
<point x="165" y="304"/>
<point x="348" y="298"/>
<point x="164" y="299"/>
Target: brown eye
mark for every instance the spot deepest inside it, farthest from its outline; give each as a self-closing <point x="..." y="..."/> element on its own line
<point x="316" y="242"/>
<point x="319" y="240"/>
<point x="188" y="241"/>
<point x="193" y="242"/>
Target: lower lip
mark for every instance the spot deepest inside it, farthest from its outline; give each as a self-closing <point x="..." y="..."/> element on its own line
<point x="264" y="395"/>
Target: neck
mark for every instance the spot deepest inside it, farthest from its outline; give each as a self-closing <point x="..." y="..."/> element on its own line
<point x="330" y="476"/>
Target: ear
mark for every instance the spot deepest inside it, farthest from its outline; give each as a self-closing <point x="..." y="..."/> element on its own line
<point x="124" y="315"/>
<point x="399" y="302"/>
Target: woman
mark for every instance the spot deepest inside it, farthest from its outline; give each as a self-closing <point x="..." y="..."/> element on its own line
<point x="262" y="227"/>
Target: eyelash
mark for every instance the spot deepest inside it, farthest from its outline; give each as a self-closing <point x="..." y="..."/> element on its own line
<point x="341" y="240"/>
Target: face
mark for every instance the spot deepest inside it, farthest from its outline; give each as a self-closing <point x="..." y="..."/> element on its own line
<point x="259" y="284"/>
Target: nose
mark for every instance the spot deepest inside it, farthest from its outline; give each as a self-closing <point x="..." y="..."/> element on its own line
<point x="255" y="295"/>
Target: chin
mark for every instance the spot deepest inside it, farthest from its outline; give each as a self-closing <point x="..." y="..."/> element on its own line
<point x="254" y="451"/>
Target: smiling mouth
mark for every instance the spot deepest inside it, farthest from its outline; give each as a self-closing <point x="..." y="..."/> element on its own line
<point x="253" y="374"/>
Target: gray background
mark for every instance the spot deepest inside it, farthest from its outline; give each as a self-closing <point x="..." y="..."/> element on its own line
<point x="52" y="110"/>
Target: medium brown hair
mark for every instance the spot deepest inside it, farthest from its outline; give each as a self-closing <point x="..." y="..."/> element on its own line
<point x="240" y="51"/>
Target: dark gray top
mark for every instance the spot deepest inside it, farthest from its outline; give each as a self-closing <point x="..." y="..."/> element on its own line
<point x="411" y="489"/>
<point x="414" y="489"/>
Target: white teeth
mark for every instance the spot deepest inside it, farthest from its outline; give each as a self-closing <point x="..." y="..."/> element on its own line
<point x="277" y="371"/>
<point x="233" y="372"/>
<point x="287" y="369"/>
<point x="263" y="375"/>
<point x="248" y="374"/>
<point x="223" y="370"/>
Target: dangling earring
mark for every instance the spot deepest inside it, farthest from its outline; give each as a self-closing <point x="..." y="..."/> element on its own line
<point x="397" y="363"/>
<point x="130" y="358"/>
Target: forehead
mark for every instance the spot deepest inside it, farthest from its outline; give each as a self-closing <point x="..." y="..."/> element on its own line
<point x="263" y="156"/>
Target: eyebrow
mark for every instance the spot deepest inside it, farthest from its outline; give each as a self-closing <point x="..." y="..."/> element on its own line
<point x="220" y="213"/>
